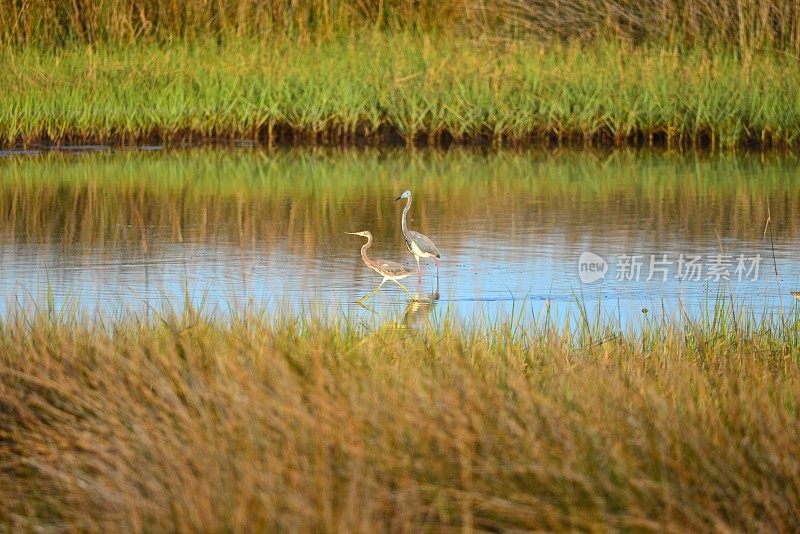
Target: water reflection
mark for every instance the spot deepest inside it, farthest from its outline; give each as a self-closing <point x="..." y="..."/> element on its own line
<point x="418" y="311"/>
<point x="138" y="227"/>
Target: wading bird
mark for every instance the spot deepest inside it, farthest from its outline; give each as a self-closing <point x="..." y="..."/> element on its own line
<point x="418" y="244"/>
<point x="388" y="269"/>
<point x="796" y="294"/>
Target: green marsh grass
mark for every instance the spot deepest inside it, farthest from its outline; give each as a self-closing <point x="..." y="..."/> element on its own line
<point x="278" y="422"/>
<point x="411" y="89"/>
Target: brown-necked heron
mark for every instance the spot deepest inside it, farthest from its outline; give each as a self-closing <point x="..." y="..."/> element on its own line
<point x="390" y="270"/>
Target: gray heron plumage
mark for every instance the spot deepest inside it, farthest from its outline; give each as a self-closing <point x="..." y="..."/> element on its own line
<point x="418" y="244"/>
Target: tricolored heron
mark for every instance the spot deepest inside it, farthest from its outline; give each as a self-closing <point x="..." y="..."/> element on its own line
<point x="388" y="269"/>
<point x="418" y="244"/>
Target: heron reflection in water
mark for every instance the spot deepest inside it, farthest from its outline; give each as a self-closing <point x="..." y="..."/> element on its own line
<point x="419" y="309"/>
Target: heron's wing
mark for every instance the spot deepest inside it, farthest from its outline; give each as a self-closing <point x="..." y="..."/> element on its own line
<point x="424" y="243"/>
<point x="393" y="268"/>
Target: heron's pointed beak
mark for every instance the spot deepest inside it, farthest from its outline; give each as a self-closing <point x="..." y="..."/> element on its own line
<point x="398" y="198"/>
<point x="352" y="233"/>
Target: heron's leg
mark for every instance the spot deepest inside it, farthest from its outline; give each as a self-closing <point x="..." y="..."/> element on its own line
<point x="436" y="260"/>
<point x="373" y="291"/>
<point x="404" y="288"/>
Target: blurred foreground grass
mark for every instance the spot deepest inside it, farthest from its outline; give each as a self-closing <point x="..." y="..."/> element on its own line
<point x="189" y="423"/>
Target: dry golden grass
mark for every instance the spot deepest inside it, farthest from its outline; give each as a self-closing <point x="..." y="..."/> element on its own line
<point x="740" y="24"/>
<point x="197" y="425"/>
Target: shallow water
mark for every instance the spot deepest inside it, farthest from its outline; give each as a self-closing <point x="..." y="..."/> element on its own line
<point x="132" y="230"/>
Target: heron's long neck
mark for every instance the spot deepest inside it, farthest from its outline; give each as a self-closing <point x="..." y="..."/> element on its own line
<point x="403" y="223"/>
<point x="364" y="249"/>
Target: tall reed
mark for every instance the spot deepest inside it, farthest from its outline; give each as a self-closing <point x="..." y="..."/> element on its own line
<point x="741" y="24"/>
<point x="401" y="89"/>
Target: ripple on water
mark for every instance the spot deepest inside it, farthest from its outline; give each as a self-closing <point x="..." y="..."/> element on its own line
<point x="135" y="228"/>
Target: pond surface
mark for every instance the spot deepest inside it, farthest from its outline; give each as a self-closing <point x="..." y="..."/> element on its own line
<point x="519" y="232"/>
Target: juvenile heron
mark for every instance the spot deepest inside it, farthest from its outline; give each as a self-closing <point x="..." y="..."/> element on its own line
<point x="418" y="244"/>
<point x="388" y="269"/>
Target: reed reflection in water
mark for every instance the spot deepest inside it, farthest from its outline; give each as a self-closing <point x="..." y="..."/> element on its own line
<point x="223" y="226"/>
